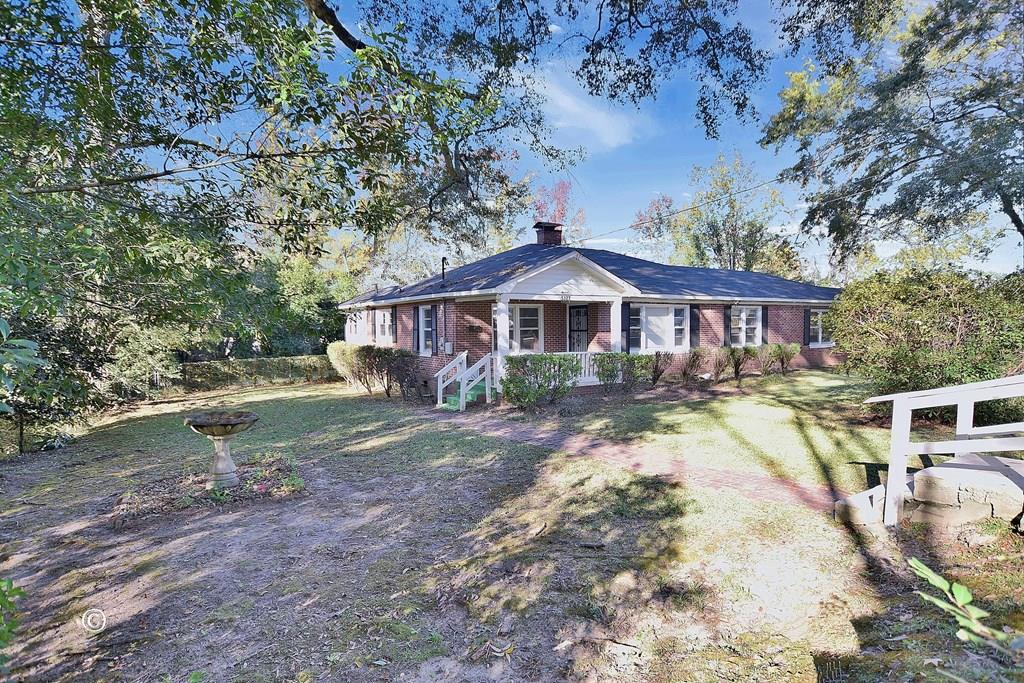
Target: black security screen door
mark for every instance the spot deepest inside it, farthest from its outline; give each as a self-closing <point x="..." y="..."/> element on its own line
<point x="578" y="335"/>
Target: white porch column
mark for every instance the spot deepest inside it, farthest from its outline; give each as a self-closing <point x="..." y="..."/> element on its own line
<point x="616" y="324"/>
<point x="501" y="329"/>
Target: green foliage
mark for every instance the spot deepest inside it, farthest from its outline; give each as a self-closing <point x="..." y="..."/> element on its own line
<point x="608" y="367"/>
<point x="9" y="593"/>
<point x="914" y="330"/>
<point x="913" y="136"/>
<point x="957" y="602"/>
<point x="739" y="357"/>
<point x="255" y="371"/>
<point x="720" y="360"/>
<point x="784" y="354"/>
<point x="637" y="370"/>
<point x="727" y="233"/>
<point x="19" y="360"/>
<point x="370" y="366"/>
<point x="535" y="377"/>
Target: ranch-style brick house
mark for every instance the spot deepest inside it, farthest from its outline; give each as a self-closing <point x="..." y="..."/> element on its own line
<point x="552" y="298"/>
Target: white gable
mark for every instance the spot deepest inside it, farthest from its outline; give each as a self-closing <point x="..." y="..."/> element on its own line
<point x="570" y="277"/>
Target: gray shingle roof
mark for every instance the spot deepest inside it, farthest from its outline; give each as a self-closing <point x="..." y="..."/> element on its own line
<point x="649" y="277"/>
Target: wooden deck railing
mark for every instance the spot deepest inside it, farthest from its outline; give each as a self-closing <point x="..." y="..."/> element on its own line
<point x="969" y="439"/>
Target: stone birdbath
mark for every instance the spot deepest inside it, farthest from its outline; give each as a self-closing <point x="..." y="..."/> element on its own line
<point x="220" y="426"/>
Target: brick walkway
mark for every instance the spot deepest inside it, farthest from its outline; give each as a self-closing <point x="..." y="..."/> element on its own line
<point x="648" y="460"/>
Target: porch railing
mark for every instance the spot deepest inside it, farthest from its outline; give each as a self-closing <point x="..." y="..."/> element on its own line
<point x="969" y="439"/>
<point x="588" y="370"/>
<point x="480" y="371"/>
<point x="449" y="373"/>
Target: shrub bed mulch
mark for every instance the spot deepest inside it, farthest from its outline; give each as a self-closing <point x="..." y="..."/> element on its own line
<point x="270" y="478"/>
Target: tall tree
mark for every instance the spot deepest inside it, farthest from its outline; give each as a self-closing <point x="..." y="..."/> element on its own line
<point x="725" y="225"/>
<point x="920" y="134"/>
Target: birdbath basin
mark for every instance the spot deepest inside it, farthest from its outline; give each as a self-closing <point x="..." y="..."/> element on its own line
<point x="220" y="426"/>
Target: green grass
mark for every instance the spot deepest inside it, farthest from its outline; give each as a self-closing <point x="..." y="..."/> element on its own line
<point x="806" y="426"/>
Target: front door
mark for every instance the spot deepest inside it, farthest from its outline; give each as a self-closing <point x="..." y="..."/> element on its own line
<point x="579" y="336"/>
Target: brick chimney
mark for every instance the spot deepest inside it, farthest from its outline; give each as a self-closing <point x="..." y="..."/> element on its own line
<point x="548" y="233"/>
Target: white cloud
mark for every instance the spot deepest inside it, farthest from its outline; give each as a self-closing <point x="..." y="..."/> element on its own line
<point x="588" y="121"/>
<point x="554" y="29"/>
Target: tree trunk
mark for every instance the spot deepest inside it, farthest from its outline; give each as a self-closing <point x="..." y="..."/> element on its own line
<point x="1007" y="204"/>
<point x="21" y="435"/>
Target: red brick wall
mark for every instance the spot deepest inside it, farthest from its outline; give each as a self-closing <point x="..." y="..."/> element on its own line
<point x="599" y="324"/>
<point x="712" y="325"/>
<point x="473" y="314"/>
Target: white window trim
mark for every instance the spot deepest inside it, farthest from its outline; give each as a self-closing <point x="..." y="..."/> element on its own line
<point x="672" y="348"/>
<point x="515" y="328"/>
<point x="757" y="329"/>
<point x="422" y="331"/>
<point x="820" y="329"/>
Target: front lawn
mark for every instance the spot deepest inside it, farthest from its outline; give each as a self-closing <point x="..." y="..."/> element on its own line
<point x="421" y="552"/>
<point x="807" y="426"/>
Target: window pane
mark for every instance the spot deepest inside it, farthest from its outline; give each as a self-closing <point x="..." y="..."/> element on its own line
<point x="529" y="340"/>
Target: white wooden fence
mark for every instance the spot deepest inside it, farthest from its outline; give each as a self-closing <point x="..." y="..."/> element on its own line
<point x="969" y="439"/>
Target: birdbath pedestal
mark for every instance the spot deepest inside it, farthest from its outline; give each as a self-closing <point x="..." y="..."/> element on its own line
<point x="220" y="427"/>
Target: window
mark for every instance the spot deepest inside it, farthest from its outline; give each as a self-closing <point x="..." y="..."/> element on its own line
<point x="820" y="336"/>
<point x="679" y="324"/>
<point x="426" y="331"/>
<point x="745" y="326"/>
<point x="525" y="328"/>
<point x="658" y="327"/>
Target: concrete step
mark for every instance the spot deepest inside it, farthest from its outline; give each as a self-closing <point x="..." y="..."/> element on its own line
<point x="475" y="393"/>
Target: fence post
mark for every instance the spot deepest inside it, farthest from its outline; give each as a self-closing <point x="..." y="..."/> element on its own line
<point x="899" y="441"/>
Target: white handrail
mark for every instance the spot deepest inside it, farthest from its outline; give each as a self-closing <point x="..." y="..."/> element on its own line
<point x="443" y="379"/>
<point x="472" y="376"/>
<point x="969" y="438"/>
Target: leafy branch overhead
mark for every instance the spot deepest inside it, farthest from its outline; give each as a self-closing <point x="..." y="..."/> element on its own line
<point x="922" y="133"/>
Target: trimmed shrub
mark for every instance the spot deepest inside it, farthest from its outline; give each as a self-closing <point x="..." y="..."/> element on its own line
<point x="719" y="362"/>
<point x="636" y="369"/>
<point x="784" y="355"/>
<point x="370" y="366"/>
<point x="254" y="372"/>
<point x="532" y="378"/>
<point x="609" y="369"/>
<point x="766" y="358"/>
<point x="662" y="361"/>
<point x="691" y="362"/>
<point x="738" y="357"/>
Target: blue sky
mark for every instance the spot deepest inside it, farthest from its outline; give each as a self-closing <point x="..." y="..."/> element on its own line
<point x="635" y="153"/>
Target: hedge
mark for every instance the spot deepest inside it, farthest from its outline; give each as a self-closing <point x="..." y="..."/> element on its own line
<point x="254" y="372"/>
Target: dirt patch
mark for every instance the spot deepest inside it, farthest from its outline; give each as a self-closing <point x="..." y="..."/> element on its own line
<point x="272" y="477"/>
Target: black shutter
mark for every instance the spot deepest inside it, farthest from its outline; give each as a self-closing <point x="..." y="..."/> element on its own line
<point x="415" y="328"/>
<point x="764" y="324"/>
<point x="394" y="325"/>
<point x="694" y="326"/>
<point x="807" y="326"/>
<point x="433" y="330"/>
<point x="727" y="327"/>
<point x="625" y="327"/>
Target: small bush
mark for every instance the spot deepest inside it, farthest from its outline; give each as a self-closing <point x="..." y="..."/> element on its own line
<point x="609" y="369"/>
<point x="719" y="362"/>
<point x="784" y="355"/>
<point x="739" y="357"/>
<point x="691" y="362"/>
<point x="766" y="358"/>
<point x="662" y="361"/>
<point x="636" y="369"/>
<point x="532" y="378"/>
<point x="370" y="366"/>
